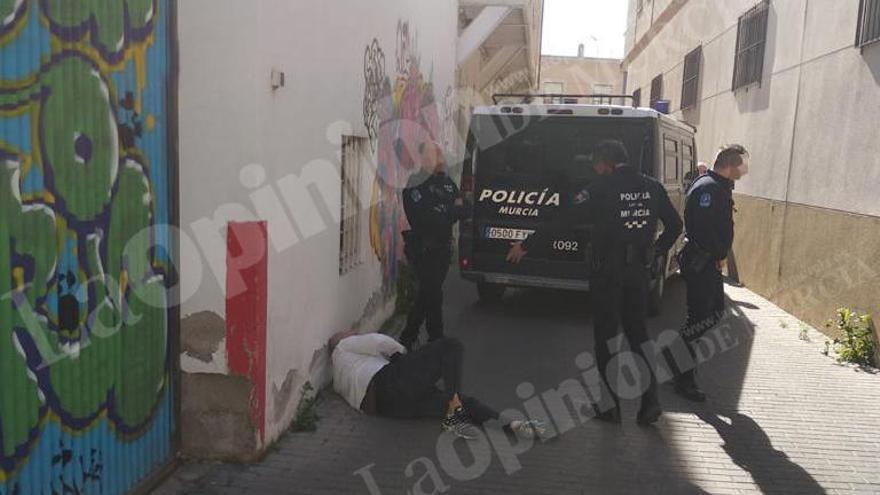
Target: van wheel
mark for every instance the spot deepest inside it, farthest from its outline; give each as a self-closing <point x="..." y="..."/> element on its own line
<point x="490" y="293"/>
<point x="655" y="297"/>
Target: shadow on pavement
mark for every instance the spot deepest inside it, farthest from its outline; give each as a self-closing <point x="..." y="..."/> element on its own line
<point x="750" y="448"/>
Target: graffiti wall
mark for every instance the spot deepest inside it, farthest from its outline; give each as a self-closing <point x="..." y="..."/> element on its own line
<point x="400" y="113"/>
<point x="85" y="383"/>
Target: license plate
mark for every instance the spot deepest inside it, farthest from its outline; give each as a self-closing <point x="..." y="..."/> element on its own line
<point x="505" y="234"/>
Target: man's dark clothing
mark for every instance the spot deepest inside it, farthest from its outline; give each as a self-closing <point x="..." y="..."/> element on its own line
<point x="429" y="204"/>
<point x="709" y="222"/>
<point x="625" y="209"/>
<point x="407" y="387"/>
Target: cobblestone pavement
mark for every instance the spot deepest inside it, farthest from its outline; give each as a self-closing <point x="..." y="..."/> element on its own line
<point x="782" y="418"/>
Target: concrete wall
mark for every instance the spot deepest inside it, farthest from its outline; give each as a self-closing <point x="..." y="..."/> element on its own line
<point x="810" y="126"/>
<point x="244" y="146"/>
<point x="579" y="74"/>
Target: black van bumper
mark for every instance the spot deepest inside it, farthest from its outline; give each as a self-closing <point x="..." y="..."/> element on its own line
<point x="511" y="280"/>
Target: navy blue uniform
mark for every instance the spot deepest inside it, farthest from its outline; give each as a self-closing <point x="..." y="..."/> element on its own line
<point x="709" y="223"/>
<point x="625" y="209"/>
<point x="429" y="204"/>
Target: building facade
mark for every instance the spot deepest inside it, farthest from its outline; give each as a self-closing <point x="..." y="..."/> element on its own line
<point x="798" y="83"/>
<point x="581" y="75"/>
<point x="299" y="127"/>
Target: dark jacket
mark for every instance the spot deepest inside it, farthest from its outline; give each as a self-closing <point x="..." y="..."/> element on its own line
<point x="429" y="204"/>
<point x="708" y="215"/>
<point x="624" y="209"/>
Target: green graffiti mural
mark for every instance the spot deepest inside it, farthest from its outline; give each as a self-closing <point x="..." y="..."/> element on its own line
<point x="84" y="250"/>
<point x="111" y="25"/>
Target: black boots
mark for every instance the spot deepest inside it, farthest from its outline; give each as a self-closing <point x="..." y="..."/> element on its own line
<point x="686" y="386"/>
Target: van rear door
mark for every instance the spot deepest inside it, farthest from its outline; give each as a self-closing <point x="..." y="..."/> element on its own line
<point x="524" y="170"/>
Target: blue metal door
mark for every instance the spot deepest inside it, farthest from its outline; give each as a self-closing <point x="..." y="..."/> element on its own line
<point x="86" y="380"/>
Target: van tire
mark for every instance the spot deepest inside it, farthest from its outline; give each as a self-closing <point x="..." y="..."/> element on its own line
<point x="655" y="297"/>
<point x="490" y="293"/>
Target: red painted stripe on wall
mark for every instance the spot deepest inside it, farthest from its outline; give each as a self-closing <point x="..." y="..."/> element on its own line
<point x="246" y="307"/>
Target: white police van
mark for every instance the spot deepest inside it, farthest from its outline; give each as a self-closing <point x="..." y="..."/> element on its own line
<point x="521" y="161"/>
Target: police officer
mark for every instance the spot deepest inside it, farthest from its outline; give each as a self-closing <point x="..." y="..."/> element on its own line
<point x="708" y="217"/>
<point x="433" y="204"/>
<point x="625" y="207"/>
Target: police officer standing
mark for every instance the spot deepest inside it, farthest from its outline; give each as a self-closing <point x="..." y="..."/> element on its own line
<point x="625" y="207"/>
<point x="433" y="204"/>
<point x="708" y="217"/>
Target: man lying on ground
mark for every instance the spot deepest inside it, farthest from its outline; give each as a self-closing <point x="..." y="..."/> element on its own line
<point x="375" y="375"/>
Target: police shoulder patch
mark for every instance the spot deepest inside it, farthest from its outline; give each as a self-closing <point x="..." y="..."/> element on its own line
<point x="581" y="197"/>
<point x="415" y="195"/>
<point x="706" y="200"/>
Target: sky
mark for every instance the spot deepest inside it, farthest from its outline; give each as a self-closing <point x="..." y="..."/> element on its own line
<point x="598" y="24"/>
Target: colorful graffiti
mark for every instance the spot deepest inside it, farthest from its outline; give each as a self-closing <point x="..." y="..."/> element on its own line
<point x="407" y="115"/>
<point x="85" y="383"/>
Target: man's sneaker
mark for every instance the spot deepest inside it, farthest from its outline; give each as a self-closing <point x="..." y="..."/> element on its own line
<point x="526" y="429"/>
<point x="460" y="424"/>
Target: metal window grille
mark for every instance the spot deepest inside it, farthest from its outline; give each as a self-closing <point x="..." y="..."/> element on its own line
<point x="553" y="88"/>
<point x="656" y="89"/>
<point x="602" y="89"/>
<point x="690" y="86"/>
<point x="353" y="148"/>
<point x="868" y="29"/>
<point x="751" y="38"/>
<point x="671" y="160"/>
<point x="637" y="97"/>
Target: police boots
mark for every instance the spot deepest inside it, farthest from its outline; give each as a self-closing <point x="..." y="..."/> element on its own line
<point x="686" y="386"/>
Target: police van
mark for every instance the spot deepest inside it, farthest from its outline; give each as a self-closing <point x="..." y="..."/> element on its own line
<point x="521" y="162"/>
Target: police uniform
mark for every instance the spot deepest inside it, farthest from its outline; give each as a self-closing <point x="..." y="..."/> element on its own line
<point x="624" y="208"/>
<point x="709" y="224"/>
<point x="429" y="204"/>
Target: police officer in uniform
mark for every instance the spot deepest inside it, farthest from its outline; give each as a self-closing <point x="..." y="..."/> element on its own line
<point x="708" y="218"/>
<point x="433" y="204"/>
<point x="625" y="207"/>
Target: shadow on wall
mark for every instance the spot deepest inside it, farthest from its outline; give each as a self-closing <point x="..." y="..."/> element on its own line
<point x="871" y="54"/>
<point x="756" y="97"/>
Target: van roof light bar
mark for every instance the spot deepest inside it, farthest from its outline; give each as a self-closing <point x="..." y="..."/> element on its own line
<point x="527" y="98"/>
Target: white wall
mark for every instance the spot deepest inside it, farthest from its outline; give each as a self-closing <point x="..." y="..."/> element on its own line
<point x="817" y="103"/>
<point x="230" y="118"/>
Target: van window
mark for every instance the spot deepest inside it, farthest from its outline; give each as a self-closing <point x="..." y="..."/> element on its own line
<point x="688" y="158"/>
<point x="670" y="160"/>
<point x="553" y="148"/>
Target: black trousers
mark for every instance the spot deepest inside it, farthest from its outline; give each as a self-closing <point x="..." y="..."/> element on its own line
<point x="431" y="265"/>
<point x="620" y="296"/>
<point x="705" y="301"/>
<point x="407" y="387"/>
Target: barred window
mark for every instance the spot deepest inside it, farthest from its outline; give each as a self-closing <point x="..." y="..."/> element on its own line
<point x="690" y="86"/>
<point x="637" y="97"/>
<point x="868" y="30"/>
<point x="751" y="40"/>
<point x="656" y="89"/>
<point x="602" y="89"/>
<point x="553" y="88"/>
<point x="353" y="149"/>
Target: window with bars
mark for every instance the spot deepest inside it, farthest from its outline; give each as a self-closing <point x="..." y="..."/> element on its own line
<point x="353" y="149"/>
<point x="553" y="88"/>
<point x="868" y="29"/>
<point x="671" y="161"/>
<point x="751" y="40"/>
<point x="637" y="97"/>
<point x="656" y="89"/>
<point x="690" y="85"/>
<point x="602" y="89"/>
